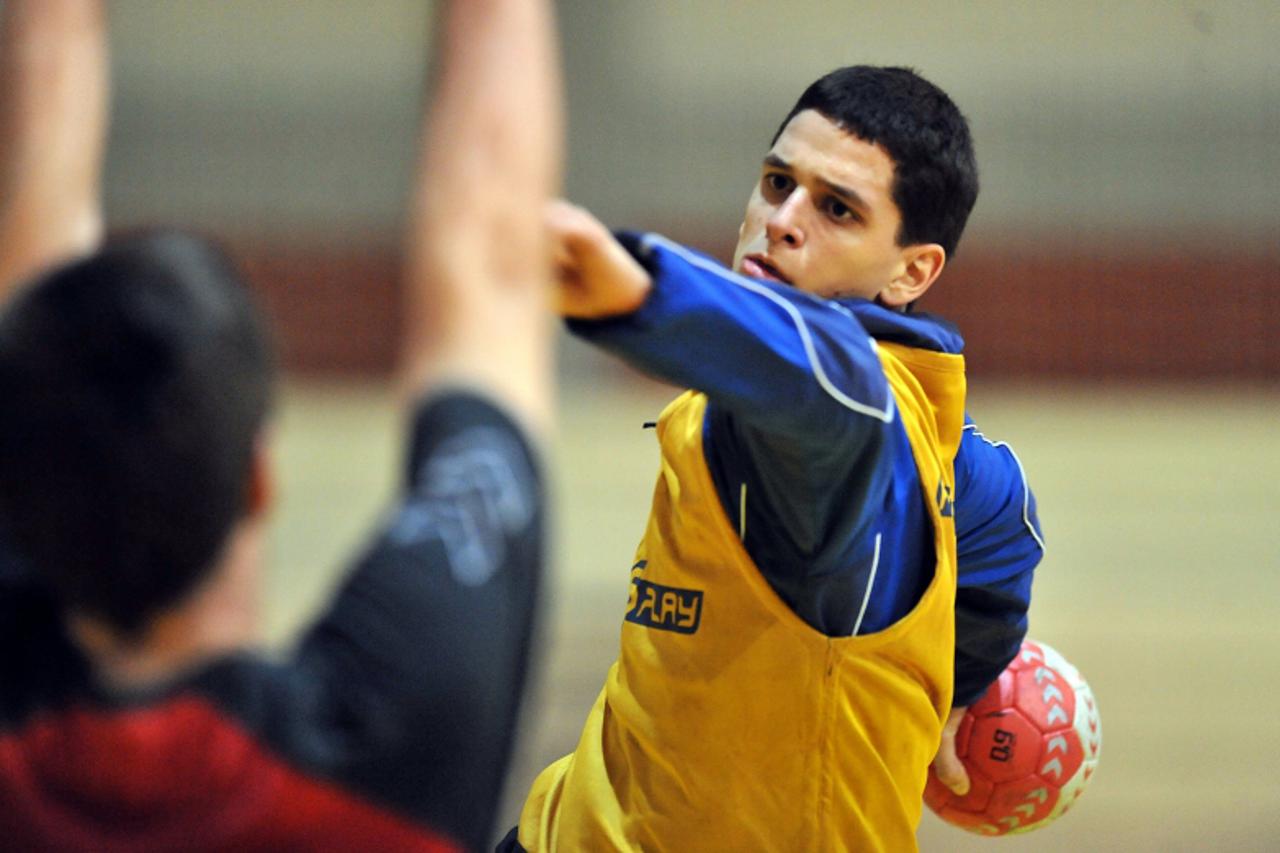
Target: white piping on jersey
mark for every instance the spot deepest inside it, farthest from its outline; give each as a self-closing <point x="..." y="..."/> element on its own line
<point x="881" y="414"/>
<point x="866" y="596"/>
<point x="1026" y="491"/>
<point x="742" y="513"/>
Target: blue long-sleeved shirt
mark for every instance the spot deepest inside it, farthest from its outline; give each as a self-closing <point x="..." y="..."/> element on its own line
<point x="811" y="464"/>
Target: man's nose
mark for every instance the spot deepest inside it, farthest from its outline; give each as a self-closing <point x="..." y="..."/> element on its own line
<point x="784" y="225"/>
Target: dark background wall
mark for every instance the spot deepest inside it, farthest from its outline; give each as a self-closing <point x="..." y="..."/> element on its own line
<point x="1052" y="311"/>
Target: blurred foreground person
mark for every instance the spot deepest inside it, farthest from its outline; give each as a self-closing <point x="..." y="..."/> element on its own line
<point x="836" y="560"/>
<point x="135" y="483"/>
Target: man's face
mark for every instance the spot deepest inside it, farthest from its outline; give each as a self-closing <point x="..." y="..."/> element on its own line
<point x="822" y="216"/>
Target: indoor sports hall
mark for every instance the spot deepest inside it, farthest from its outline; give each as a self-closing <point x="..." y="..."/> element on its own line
<point x="1118" y="288"/>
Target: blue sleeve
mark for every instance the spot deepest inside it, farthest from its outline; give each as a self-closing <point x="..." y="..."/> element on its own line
<point x="774" y="356"/>
<point x="999" y="544"/>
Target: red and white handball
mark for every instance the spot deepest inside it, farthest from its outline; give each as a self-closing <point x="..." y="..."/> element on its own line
<point x="1030" y="745"/>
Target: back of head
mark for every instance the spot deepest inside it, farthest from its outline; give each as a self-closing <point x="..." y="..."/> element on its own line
<point x="135" y="383"/>
<point x="927" y="137"/>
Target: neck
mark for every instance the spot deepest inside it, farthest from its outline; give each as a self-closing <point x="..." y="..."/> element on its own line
<point x="217" y="618"/>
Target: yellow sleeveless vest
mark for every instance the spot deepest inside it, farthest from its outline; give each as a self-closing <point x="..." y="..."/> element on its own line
<point x="727" y="723"/>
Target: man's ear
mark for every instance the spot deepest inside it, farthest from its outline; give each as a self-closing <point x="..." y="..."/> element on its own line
<point x="262" y="482"/>
<point x="922" y="263"/>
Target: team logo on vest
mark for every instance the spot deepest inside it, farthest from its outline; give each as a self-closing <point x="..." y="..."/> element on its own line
<point x="944" y="501"/>
<point x="666" y="608"/>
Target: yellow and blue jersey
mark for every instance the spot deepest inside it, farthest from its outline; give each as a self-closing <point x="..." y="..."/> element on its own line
<point x="787" y="650"/>
<point x="804" y="475"/>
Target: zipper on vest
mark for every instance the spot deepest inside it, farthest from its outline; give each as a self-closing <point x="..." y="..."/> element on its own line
<point x="826" y="754"/>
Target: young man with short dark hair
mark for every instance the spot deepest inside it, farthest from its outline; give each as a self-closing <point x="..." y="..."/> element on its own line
<point x="794" y="640"/>
<point x="135" y="482"/>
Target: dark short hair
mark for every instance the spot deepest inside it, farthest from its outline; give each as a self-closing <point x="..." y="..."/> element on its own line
<point x="134" y="383"/>
<point x="935" y="174"/>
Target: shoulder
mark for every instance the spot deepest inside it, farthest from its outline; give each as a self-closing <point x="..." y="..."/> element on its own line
<point x="992" y="489"/>
<point x="985" y="463"/>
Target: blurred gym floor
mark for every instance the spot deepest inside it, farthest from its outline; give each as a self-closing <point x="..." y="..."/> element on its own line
<point x="1160" y="582"/>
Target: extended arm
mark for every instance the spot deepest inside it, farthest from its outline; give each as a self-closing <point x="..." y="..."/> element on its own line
<point x="801" y="438"/>
<point x="777" y="358"/>
<point x="477" y="263"/>
<point x="53" y="116"/>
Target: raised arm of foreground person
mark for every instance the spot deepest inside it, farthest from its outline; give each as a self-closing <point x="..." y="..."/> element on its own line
<point x="428" y="642"/>
<point x="53" y="117"/>
<point x="477" y="262"/>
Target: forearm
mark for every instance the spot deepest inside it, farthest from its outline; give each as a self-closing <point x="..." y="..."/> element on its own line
<point x="990" y="626"/>
<point x="776" y="357"/>
<point x="477" y="267"/>
<point x="53" y="116"/>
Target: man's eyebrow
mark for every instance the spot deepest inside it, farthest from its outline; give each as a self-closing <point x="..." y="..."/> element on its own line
<point x="777" y="162"/>
<point x="847" y="195"/>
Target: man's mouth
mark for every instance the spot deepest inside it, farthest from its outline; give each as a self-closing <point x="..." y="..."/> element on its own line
<point x="757" y="266"/>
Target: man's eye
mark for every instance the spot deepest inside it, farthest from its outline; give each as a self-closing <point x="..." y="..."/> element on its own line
<point x="777" y="183"/>
<point x="840" y="211"/>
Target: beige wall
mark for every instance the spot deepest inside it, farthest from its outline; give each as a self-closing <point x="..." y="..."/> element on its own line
<point x="1092" y="118"/>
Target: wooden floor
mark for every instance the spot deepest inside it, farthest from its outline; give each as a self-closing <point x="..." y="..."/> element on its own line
<point x="1161" y="583"/>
